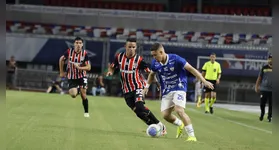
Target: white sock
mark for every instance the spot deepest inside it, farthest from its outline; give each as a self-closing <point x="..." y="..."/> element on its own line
<point x="190" y="130"/>
<point x="177" y="122"/>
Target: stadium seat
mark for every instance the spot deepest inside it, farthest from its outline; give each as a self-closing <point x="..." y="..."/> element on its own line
<point x="233" y="10"/>
<point x="147" y="34"/>
<point x="158" y="7"/>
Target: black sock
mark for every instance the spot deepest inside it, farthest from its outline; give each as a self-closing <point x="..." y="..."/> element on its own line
<point x="146" y="120"/>
<point x="145" y="114"/>
<point x="152" y="117"/>
<point x="85" y="105"/>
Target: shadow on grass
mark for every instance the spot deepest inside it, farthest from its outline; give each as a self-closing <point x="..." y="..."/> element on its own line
<point x="102" y="132"/>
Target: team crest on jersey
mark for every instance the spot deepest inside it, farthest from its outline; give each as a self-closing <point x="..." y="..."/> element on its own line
<point x="172" y="68"/>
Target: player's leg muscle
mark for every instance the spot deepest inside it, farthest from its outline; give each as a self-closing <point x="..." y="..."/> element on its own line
<point x="167" y="115"/>
<point x="213" y="94"/>
<point x="183" y="116"/>
<point x="83" y="93"/>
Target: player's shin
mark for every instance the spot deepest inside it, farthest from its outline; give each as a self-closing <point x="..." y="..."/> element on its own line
<point x="206" y="103"/>
<point x="143" y="117"/>
<point x="212" y="101"/>
<point x="85" y="105"/>
<point x="177" y="122"/>
<point x="151" y="116"/>
<point x="189" y="127"/>
<point x="186" y="121"/>
<point x="190" y="130"/>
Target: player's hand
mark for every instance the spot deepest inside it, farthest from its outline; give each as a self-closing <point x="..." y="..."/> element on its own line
<point x="217" y="81"/>
<point x="208" y="85"/>
<point x="109" y="73"/>
<point x="158" y="86"/>
<point x="257" y="89"/>
<point x="77" y="66"/>
<point x="145" y="91"/>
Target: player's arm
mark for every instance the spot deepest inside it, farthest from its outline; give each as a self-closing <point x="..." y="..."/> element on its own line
<point x="62" y="60"/>
<point x="204" y="69"/>
<point x="196" y="73"/>
<point x="219" y="74"/>
<point x="145" y="66"/>
<point x="151" y="77"/>
<point x="259" y="80"/>
<point x="87" y="64"/>
<point x="113" y="66"/>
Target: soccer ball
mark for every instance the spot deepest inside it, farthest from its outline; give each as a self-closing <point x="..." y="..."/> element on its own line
<point x="154" y="130"/>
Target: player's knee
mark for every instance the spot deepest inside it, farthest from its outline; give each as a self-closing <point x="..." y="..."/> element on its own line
<point x="179" y="110"/>
<point x="166" y="116"/>
<point x="83" y="96"/>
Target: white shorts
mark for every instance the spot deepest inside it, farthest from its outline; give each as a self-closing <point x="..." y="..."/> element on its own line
<point x="173" y="98"/>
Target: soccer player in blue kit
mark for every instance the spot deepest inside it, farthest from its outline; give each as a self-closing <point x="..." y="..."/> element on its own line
<point x="171" y="70"/>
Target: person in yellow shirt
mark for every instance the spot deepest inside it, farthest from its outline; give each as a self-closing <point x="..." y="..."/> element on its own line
<point x="211" y="71"/>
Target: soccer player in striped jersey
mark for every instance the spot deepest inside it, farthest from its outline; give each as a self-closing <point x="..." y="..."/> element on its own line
<point x="77" y="66"/>
<point x="130" y="64"/>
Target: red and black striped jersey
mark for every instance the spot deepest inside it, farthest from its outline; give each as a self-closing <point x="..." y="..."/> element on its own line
<point x="131" y="77"/>
<point x="76" y="58"/>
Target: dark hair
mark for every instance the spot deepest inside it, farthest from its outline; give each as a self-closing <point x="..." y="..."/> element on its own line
<point x="155" y="46"/>
<point x="131" y="40"/>
<point x="78" y="39"/>
<point x="213" y="54"/>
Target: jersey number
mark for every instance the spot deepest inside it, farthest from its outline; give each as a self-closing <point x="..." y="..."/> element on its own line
<point x="85" y="80"/>
<point x="139" y="92"/>
<point x="180" y="97"/>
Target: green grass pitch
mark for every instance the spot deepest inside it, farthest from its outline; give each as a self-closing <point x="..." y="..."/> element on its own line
<point x="39" y="121"/>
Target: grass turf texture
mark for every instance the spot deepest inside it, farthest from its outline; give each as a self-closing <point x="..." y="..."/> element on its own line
<point x="51" y="121"/>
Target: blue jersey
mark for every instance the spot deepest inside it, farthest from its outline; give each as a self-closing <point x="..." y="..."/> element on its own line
<point x="172" y="74"/>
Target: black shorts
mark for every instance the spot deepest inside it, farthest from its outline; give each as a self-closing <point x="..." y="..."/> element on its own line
<point x="75" y="83"/>
<point x="132" y="97"/>
<point x="206" y="90"/>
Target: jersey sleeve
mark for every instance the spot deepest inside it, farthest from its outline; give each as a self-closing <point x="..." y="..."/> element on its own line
<point x="181" y="62"/>
<point x="66" y="54"/>
<point x="115" y="64"/>
<point x="144" y="66"/>
<point x="204" y="67"/>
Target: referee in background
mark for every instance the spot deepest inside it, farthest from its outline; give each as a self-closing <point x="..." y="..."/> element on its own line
<point x="264" y="87"/>
<point x="211" y="71"/>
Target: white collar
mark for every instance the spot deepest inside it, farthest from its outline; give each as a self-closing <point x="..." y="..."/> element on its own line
<point x="166" y="61"/>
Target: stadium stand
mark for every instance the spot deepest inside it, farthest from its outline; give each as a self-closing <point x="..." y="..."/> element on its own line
<point x="146" y="34"/>
<point x="191" y="7"/>
<point x="107" y="5"/>
<point x="229" y="10"/>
